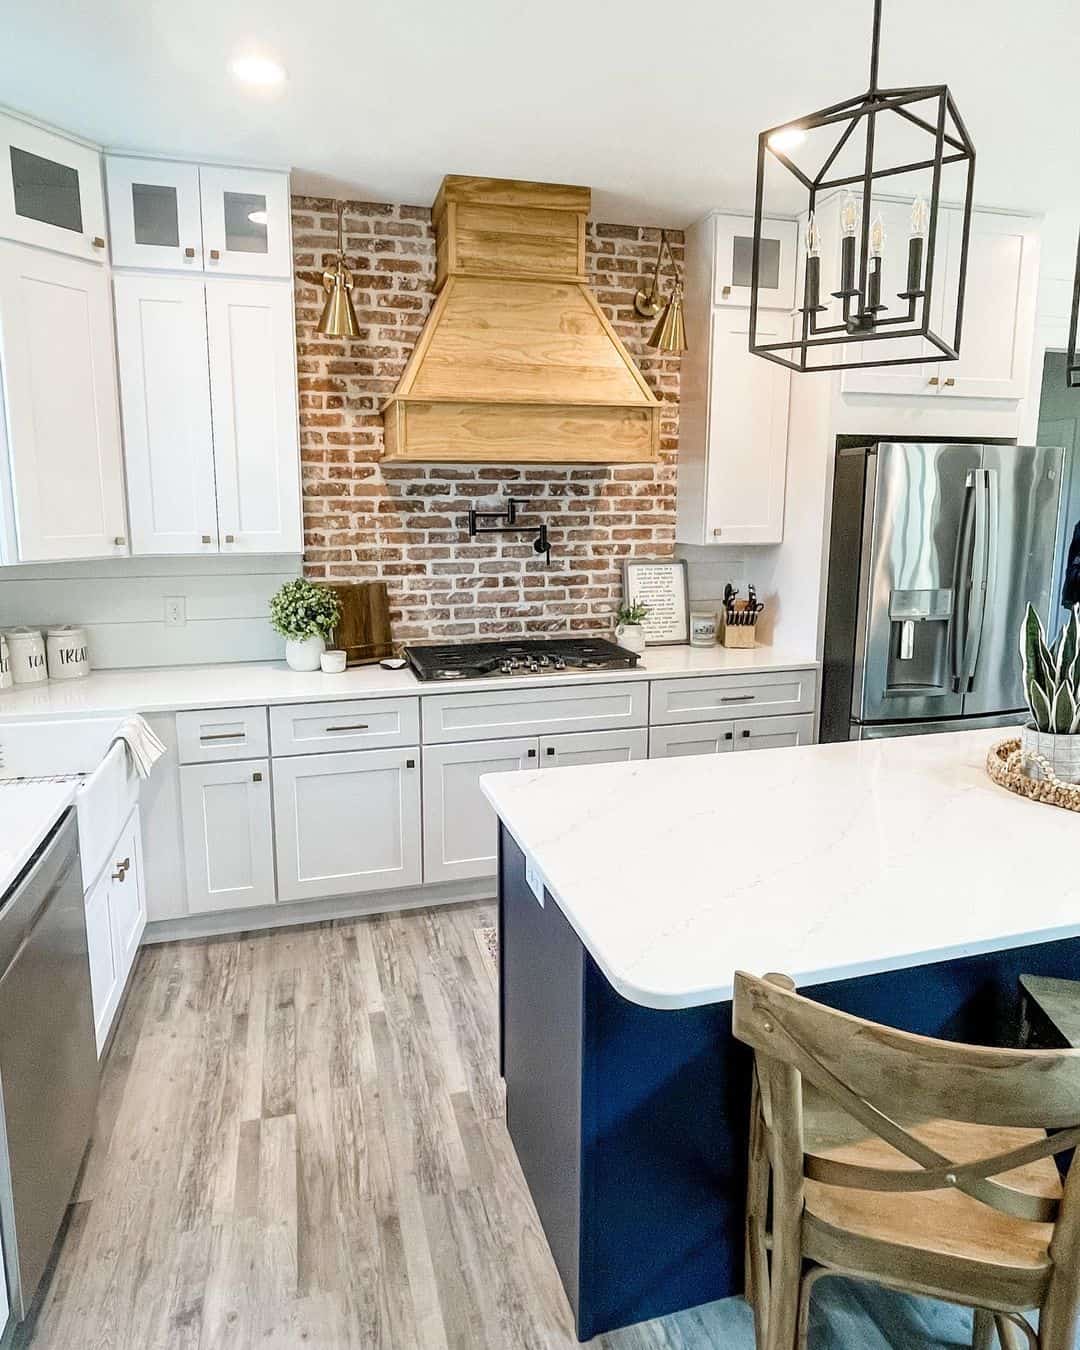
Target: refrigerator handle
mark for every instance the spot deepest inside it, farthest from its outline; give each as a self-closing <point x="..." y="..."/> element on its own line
<point x="961" y="583"/>
<point x="983" y="556"/>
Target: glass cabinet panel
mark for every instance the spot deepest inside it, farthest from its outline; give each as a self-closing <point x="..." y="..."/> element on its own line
<point x="246" y="227"/>
<point x="45" y="190"/>
<point x="155" y="215"/>
<point x="245" y="222"/>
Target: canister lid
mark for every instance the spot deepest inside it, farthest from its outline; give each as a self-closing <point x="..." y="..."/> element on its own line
<point x="22" y="634"/>
<point x="68" y="630"/>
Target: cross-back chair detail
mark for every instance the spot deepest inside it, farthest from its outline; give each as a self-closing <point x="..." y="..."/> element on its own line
<point x="906" y="1092"/>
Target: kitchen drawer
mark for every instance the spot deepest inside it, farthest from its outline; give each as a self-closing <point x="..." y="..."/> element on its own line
<point x="697" y="738"/>
<point x="221" y="733"/>
<point x="534" y="712"/>
<point x="360" y="724"/>
<point x="768" y="733"/>
<point x="709" y="697"/>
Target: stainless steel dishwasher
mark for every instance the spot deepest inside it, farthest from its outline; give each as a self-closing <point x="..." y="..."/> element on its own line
<point x="48" y="1060"/>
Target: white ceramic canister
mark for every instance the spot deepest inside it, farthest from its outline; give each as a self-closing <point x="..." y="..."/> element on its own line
<point x="26" y="648"/>
<point x="67" y="652"/>
<point x="5" y="664"/>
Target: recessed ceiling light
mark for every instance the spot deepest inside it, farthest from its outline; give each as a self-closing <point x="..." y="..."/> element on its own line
<point x="262" y="71"/>
<point x="787" y="138"/>
<point x="257" y="217"/>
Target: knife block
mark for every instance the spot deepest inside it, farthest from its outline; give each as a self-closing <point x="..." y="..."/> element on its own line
<point x="737" y="634"/>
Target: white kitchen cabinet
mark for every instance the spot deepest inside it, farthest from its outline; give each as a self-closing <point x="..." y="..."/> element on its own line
<point x="104" y="972"/>
<point x="594" y="747"/>
<point x="734" y="249"/>
<point x="460" y="829"/>
<point x="347" y="822"/>
<point x="228" y="835"/>
<point x="50" y="191"/>
<point x="128" y="896"/>
<point x="154" y="215"/>
<point x="999" y="307"/>
<point x="766" y="733"/>
<point x="698" y="738"/>
<point x="245" y="221"/>
<point x="62" y="421"/>
<point x="252" y="360"/>
<point x="165" y="402"/>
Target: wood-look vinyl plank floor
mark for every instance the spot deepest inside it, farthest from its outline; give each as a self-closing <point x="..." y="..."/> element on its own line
<point x="300" y="1143"/>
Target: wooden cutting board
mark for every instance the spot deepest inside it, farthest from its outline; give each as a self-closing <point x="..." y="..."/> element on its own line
<point x="363" y="632"/>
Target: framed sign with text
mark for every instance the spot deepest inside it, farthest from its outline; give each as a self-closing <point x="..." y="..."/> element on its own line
<point x="659" y="583"/>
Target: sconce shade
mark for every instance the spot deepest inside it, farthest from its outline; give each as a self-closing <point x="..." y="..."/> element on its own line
<point x="669" y="335"/>
<point x="338" y="316"/>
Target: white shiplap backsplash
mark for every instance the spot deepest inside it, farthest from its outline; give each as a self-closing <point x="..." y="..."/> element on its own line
<point x="121" y="603"/>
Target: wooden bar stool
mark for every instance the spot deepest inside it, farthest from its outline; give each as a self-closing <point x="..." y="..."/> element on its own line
<point x="918" y="1164"/>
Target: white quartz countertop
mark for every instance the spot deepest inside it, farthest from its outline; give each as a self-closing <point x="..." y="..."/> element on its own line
<point x="168" y="689"/>
<point x="824" y="862"/>
<point x="28" y="811"/>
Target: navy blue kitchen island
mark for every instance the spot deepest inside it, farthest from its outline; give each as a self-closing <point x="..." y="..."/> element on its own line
<point x="630" y="1121"/>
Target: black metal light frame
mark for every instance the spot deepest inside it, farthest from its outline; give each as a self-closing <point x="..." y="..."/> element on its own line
<point x="860" y="323"/>
<point x="1072" y="358"/>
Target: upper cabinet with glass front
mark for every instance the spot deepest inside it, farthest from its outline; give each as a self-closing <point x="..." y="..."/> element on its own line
<point x="50" y="191"/>
<point x="189" y="217"/>
<point x="734" y="244"/>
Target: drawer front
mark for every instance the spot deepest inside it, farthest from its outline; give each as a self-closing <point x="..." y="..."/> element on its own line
<point x="362" y="724"/>
<point x="718" y="696"/>
<point x="768" y="733"/>
<point x="221" y="733"/>
<point x="697" y="738"/>
<point x="534" y="712"/>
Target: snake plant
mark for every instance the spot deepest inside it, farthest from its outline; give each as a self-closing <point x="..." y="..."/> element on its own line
<point x="1052" y="674"/>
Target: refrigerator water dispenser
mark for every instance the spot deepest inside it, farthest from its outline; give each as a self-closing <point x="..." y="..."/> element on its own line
<point x="919" y="642"/>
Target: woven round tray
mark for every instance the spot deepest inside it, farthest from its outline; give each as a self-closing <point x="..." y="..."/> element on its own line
<point x="1005" y="765"/>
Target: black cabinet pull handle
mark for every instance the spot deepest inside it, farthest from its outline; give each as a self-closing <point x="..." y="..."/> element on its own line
<point x="410" y="763"/>
<point x="747" y="732"/>
<point x="729" y="735"/>
<point x="551" y="749"/>
<point x="532" y="754"/>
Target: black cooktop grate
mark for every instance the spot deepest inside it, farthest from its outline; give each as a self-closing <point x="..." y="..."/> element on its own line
<point x="527" y="656"/>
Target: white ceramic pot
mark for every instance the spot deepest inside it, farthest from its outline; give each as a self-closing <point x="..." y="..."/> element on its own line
<point x="304" y="653"/>
<point x="67" y="652"/>
<point x="1062" y="753"/>
<point x="631" y="636"/>
<point x="333" y="662"/>
<point x="26" y="648"/>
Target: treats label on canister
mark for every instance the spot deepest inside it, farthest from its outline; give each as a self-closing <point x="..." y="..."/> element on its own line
<point x="69" y="656"/>
<point x="26" y="649"/>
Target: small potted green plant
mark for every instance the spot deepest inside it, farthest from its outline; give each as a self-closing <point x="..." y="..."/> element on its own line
<point x="628" y="630"/>
<point x="305" y="615"/>
<point x="1052" y="689"/>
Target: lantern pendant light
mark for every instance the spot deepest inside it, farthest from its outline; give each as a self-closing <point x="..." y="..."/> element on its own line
<point x="1072" y="358"/>
<point x="866" y="316"/>
<point x="338" y="316"/>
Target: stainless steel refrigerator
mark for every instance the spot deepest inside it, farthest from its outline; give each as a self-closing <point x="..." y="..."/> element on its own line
<point x="935" y="551"/>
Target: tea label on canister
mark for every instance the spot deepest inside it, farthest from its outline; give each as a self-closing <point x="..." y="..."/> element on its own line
<point x="26" y="650"/>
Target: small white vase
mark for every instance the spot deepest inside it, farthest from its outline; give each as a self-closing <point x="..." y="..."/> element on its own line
<point x="631" y="636"/>
<point x="1062" y="753"/>
<point x="304" y="653"/>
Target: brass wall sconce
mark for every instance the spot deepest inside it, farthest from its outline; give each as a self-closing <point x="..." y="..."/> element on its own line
<point x="338" y="316"/>
<point x="669" y="335"/>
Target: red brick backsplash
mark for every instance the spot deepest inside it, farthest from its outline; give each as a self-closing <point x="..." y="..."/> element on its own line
<point x="405" y="523"/>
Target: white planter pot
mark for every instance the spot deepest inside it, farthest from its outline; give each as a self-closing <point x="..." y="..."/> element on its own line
<point x="1062" y="753"/>
<point x="631" y="636"/>
<point x="304" y="653"/>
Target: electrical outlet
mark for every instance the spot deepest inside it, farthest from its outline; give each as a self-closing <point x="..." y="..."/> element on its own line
<point x="175" y="611"/>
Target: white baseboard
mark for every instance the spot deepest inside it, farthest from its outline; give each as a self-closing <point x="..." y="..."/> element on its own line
<point x="316" y="911"/>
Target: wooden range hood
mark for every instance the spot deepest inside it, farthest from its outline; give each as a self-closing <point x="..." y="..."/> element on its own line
<point x="517" y="361"/>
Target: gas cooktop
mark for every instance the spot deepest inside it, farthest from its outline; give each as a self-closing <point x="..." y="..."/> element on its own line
<point x="540" y="656"/>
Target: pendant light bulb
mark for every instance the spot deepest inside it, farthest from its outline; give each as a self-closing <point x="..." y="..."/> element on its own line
<point x="849" y="214"/>
<point x="920" y="218"/>
<point x="813" y="238"/>
<point x="877" y="237"/>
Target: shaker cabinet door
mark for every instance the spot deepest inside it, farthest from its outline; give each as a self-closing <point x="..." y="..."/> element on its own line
<point x="747" y="434"/>
<point x="165" y="403"/>
<point x="63" y="433"/>
<point x="594" y="747"/>
<point x="701" y="738"/>
<point x="253" y="398"/>
<point x="347" y="822"/>
<point x="768" y="733"/>
<point x="104" y="973"/>
<point x="245" y="222"/>
<point x="50" y="191"/>
<point x="460" y="828"/>
<point x="154" y="217"/>
<point x="228" y="835"/>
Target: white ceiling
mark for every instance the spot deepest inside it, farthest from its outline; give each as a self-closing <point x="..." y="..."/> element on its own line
<point x="655" y="105"/>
